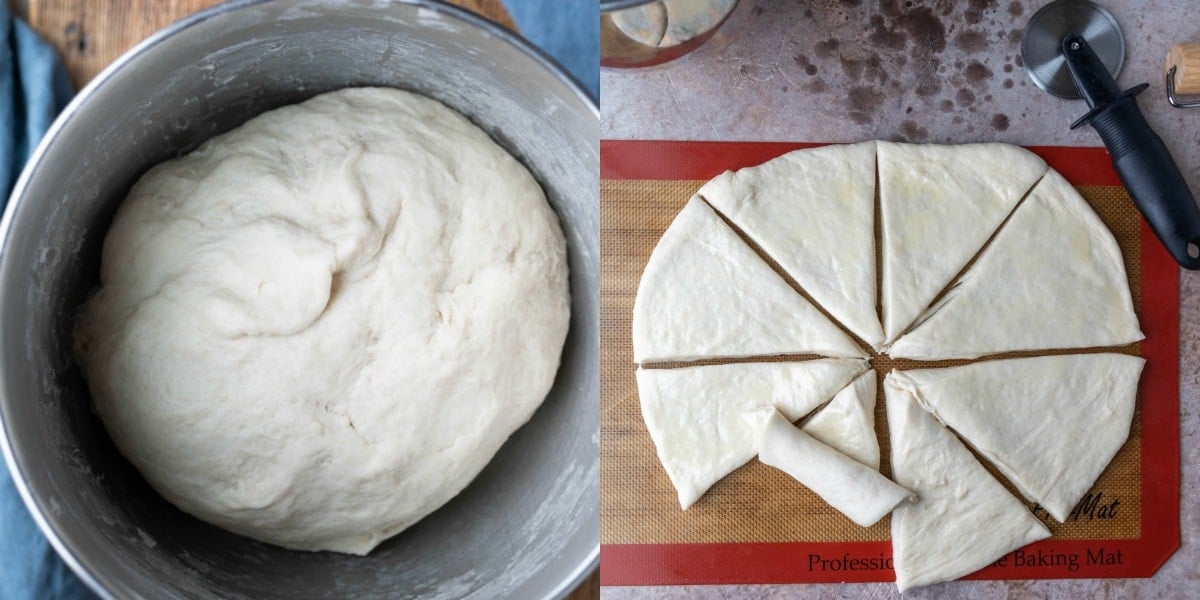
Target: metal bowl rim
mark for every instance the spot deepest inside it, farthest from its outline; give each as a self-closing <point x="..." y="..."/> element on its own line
<point x="613" y="5"/>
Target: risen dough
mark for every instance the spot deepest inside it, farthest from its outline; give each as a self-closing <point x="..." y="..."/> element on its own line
<point x="319" y="327"/>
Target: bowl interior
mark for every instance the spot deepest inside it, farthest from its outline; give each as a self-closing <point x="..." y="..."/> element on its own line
<point x="526" y="528"/>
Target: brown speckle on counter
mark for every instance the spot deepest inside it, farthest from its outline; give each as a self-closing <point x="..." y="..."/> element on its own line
<point x="913" y="132"/>
<point x="976" y="73"/>
<point x="805" y="64"/>
<point x="922" y="53"/>
<point x="1000" y="122"/>
<point x="826" y="49"/>
<point x="1015" y="9"/>
<point x="929" y="87"/>
<point x="852" y="68"/>
<point x="976" y="8"/>
<point x="927" y="31"/>
<point x="870" y="70"/>
<point x="864" y="99"/>
<point x="885" y="37"/>
<point x="970" y="41"/>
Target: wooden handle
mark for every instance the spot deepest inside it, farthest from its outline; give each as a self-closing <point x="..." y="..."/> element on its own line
<point x="1186" y="60"/>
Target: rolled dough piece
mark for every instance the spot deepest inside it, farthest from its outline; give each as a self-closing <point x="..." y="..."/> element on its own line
<point x="319" y="327"/>
<point x="706" y="294"/>
<point x="707" y="421"/>
<point x="939" y="204"/>
<point x="1053" y="277"/>
<point x="963" y="519"/>
<point x="813" y="211"/>
<point x="847" y="423"/>
<point x="1050" y="424"/>
<point x="854" y="489"/>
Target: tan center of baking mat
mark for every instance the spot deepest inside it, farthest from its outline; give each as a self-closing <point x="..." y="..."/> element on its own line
<point x="756" y="503"/>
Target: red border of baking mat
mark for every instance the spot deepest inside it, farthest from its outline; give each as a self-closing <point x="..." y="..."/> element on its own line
<point x="698" y="564"/>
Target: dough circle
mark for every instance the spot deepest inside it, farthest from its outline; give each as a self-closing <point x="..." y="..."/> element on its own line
<point x="318" y="328"/>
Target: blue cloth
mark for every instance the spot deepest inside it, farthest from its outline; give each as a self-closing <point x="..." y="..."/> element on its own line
<point x="33" y="89"/>
<point x="568" y="30"/>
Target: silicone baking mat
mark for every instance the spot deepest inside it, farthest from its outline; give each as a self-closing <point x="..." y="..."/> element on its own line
<point x="759" y="526"/>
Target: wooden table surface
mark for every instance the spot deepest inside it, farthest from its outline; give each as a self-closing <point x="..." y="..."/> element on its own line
<point x="90" y="34"/>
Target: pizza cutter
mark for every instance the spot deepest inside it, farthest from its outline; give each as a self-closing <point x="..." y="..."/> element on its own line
<point x="1074" y="49"/>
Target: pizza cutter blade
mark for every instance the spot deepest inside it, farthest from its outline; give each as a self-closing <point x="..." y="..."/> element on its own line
<point x="1073" y="49"/>
<point x="1044" y="34"/>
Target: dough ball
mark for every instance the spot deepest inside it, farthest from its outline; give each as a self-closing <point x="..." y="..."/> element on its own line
<point x="319" y="327"/>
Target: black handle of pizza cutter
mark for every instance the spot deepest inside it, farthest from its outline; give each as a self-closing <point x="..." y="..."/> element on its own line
<point x="1138" y="154"/>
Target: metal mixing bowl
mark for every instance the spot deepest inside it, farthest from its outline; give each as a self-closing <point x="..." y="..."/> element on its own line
<point x="528" y="527"/>
<point x="619" y="49"/>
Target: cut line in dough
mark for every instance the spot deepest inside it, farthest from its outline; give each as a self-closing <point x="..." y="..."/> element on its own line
<point x="813" y="212"/>
<point x="847" y="422"/>
<point x="706" y="294"/>
<point x="1050" y="424"/>
<point x="1052" y="278"/>
<point x="963" y="519"/>
<point x="939" y="204"/>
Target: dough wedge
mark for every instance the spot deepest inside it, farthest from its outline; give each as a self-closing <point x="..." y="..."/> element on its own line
<point x="847" y="423"/>
<point x="1050" y="424"/>
<point x="939" y="204"/>
<point x="963" y="519"/>
<point x="813" y="211"/>
<point x="1053" y="277"/>
<point x="706" y="294"/>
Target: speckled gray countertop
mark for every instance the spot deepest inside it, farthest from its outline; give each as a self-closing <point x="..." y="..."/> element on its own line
<point x="928" y="71"/>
